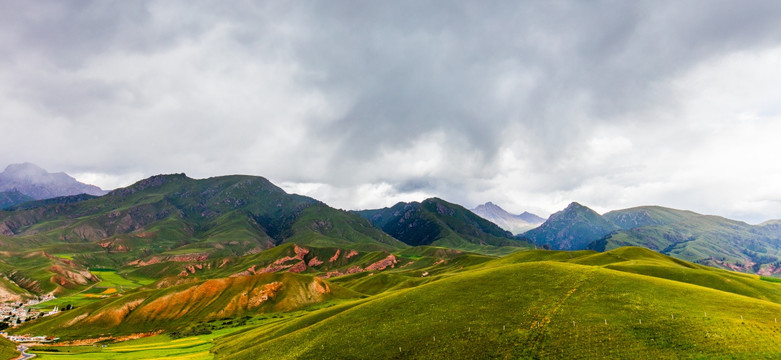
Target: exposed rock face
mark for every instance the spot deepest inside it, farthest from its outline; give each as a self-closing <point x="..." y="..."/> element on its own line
<point x="382" y="264"/>
<point x="314" y="262"/>
<point x="37" y="183"/>
<point x="335" y="257"/>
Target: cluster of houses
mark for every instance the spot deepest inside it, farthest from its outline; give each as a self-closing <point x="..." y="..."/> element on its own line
<point x="15" y="313"/>
<point x="29" y="339"/>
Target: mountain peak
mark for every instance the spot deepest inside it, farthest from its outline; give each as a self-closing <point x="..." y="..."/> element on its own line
<point x="575" y="205"/>
<point x="572" y="228"/>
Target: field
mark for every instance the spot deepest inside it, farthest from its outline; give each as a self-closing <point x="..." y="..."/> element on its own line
<point x="161" y="346"/>
<point x="112" y="283"/>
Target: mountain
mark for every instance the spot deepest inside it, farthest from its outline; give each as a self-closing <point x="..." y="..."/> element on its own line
<point x="12" y="197"/>
<point x="37" y="183"/>
<point x="440" y="223"/>
<point x="571" y="229"/>
<point x="516" y="224"/>
<point x="648" y="216"/>
<point x="175" y="218"/>
<point x="705" y="239"/>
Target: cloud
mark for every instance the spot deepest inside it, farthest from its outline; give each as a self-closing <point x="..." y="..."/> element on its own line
<point x="527" y="104"/>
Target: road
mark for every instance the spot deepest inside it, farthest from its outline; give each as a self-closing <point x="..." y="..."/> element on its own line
<point x="24" y="355"/>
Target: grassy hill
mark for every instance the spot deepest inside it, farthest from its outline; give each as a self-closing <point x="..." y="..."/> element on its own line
<point x="527" y="306"/>
<point x="7" y="349"/>
<point x="188" y="303"/>
<point x="440" y="223"/>
<point x="445" y="303"/>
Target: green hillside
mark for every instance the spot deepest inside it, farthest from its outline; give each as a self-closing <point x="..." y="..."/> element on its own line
<point x="531" y="309"/>
<point x="704" y="239"/>
<point x="168" y="217"/>
<point x="647" y="216"/>
<point x="708" y="240"/>
<point x="188" y="303"/>
<point x="441" y="303"/>
<point x="440" y="223"/>
<point x="7" y="349"/>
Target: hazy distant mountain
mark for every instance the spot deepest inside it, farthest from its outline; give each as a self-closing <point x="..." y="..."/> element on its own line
<point x="30" y="180"/>
<point x="516" y="224"/>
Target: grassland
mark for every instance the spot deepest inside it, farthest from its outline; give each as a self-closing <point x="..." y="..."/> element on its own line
<point x="164" y="346"/>
<point x="443" y="303"/>
<point x="529" y="310"/>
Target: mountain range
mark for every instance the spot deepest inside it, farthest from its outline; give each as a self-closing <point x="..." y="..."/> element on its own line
<point x="234" y="267"/>
<point x="517" y="224"/>
<point x="704" y="239"/>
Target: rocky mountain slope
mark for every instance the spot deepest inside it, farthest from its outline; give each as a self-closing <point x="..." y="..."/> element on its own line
<point x="516" y="224"/>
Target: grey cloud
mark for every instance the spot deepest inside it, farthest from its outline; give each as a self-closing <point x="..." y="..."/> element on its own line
<point x="489" y="75"/>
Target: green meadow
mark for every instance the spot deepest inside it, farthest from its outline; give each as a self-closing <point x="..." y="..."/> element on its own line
<point x="628" y="303"/>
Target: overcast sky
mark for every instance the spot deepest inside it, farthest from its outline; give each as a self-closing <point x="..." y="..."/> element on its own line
<point x="362" y="104"/>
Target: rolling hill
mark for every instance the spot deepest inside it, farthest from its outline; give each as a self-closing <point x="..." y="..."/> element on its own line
<point x="537" y="304"/>
<point x="628" y="302"/>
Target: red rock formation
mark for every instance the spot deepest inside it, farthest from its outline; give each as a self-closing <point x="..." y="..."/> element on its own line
<point x="298" y="268"/>
<point x="335" y="257"/>
<point x="314" y="262"/>
<point x="382" y="264"/>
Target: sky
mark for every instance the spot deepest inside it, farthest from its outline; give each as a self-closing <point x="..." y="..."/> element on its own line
<point x="361" y="104"/>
